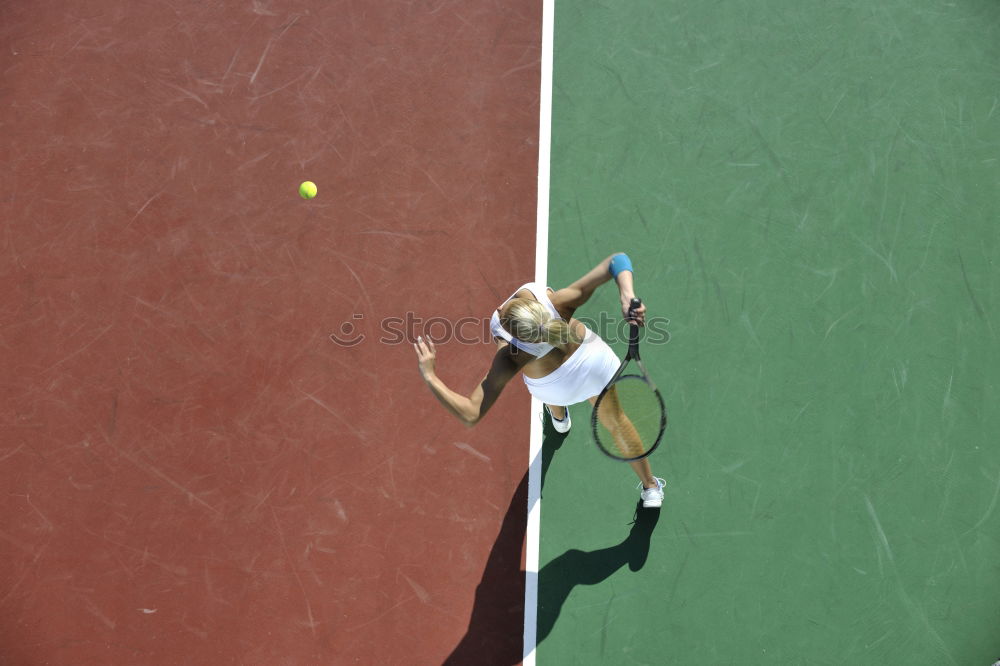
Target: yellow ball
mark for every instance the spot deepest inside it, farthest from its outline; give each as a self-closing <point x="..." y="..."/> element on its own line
<point x="307" y="190"/>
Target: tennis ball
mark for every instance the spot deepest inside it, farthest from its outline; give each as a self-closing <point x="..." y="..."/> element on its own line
<point x="307" y="190"/>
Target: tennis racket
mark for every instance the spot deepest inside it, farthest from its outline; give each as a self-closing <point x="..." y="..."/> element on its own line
<point x="629" y="416"/>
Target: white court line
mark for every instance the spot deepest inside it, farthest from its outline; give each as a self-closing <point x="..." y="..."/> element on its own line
<point x="541" y="277"/>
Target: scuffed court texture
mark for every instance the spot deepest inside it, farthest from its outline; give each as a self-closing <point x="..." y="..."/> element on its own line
<point x="193" y="471"/>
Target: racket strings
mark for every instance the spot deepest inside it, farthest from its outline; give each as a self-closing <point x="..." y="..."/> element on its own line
<point x="630" y="418"/>
<point x="624" y="434"/>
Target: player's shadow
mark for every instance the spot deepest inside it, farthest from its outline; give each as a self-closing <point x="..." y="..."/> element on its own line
<point x="552" y="441"/>
<point x="495" y="634"/>
<point x="580" y="567"/>
<point x="496" y="628"/>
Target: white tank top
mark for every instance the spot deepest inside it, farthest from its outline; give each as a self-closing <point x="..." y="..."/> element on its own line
<point x="538" y="349"/>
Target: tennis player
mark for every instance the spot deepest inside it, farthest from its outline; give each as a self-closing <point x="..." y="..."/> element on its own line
<point x="563" y="362"/>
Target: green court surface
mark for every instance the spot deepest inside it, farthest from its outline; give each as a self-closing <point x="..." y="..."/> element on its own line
<point x="809" y="191"/>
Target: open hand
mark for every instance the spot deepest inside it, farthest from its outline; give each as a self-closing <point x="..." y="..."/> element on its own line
<point x="426" y="355"/>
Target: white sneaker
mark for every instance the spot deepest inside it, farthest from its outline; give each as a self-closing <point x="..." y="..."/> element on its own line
<point x="561" y="426"/>
<point x="652" y="498"/>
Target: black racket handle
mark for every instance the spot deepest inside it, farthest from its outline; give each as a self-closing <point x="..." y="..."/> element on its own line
<point x="633" y="329"/>
<point x="634" y="305"/>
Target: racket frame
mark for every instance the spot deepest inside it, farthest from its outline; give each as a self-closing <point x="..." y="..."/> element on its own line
<point x="632" y="355"/>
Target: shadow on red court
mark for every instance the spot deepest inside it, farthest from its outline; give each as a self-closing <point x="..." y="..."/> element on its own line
<point x="495" y="629"/>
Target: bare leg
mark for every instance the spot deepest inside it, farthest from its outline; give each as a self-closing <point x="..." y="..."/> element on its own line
<point x="644" y="472"/>
<point x="641" y="467"/>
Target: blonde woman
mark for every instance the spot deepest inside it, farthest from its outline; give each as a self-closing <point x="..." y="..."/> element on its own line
<point x="563" y="362"/>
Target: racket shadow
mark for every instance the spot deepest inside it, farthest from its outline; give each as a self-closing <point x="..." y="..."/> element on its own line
<point x="578" y="567"/>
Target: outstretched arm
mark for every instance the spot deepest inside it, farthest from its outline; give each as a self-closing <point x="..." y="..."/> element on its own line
<point x="469" y="409"/>
<point x="578" y="293"/>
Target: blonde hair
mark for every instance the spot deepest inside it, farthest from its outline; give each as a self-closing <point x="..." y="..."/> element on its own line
<point x="529" y="321"/>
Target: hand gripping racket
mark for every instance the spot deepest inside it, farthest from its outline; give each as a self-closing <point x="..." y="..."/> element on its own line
<point x="629" y="416"/>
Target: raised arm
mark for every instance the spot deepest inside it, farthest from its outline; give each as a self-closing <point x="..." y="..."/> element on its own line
<point x="617" y="266"/>
<point x="469" y="409"/>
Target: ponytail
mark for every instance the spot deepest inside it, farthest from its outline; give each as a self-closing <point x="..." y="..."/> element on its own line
<point x="557" y="332"/>
<point x="529" y="321"/>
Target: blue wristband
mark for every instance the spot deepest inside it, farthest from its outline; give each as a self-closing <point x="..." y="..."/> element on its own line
<point x="620" y="262"/>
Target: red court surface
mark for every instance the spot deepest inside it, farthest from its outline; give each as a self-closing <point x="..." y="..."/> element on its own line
<point x="193" y="471"/>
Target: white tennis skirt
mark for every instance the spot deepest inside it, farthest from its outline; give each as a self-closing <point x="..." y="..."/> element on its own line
<point x="583" y="375"/>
